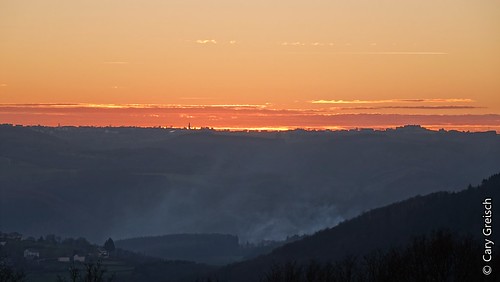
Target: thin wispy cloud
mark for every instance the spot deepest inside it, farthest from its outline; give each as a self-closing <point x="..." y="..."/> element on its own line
<point x="3" y="85"/>
<point x="116" y="63"/>
<point x="376" y="53"/>
<point x="440" y="100"/>
<point x="369" y="44"/>
<point x="352" y="101"/>
<point x="393" y="53"/>
<point x="445" y="107"/>
<point x="451" y="100"/>
<point x="132" y="106"/>
<point x="296" y="43"/>
<point x="206" y="41"/>
<point x="213" y="42"/>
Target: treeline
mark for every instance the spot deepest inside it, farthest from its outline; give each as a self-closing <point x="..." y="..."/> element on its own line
<point x="48" y="247"/>
<point x="438" y="257"/>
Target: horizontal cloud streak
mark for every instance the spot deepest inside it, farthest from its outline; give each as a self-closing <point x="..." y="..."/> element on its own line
<point x="452" y="100"/>
<point x="459" y="100"/>
<point x="445" y="107"/>
<point x="393" y="53"/>
<point x="126" y="106"/>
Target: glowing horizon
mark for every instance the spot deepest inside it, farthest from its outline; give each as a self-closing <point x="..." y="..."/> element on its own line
<point x="239" y="117"/>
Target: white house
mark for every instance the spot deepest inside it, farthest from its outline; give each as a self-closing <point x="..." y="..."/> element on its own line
<point x="79" y="258"/>
<point x="31" y="254"/>
<point x="63" y="259"/>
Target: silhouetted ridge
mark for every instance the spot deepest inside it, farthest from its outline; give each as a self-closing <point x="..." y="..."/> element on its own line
<point x="392" y="226"/>
<point x="459" y="212"/>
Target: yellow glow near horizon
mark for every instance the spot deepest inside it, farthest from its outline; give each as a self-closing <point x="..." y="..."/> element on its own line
<point x="300" y="55"/>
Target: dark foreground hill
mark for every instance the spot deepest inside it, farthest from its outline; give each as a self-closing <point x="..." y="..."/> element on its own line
<point x="460" y="214"/>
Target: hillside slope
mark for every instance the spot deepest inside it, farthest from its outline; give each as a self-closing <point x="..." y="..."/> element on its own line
<point x="460" y="213"/>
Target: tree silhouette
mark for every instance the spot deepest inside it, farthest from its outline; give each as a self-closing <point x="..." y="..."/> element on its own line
<point x="92" y="272"/>
<point x="109" y="245"/>
<point x="440" y="256"/>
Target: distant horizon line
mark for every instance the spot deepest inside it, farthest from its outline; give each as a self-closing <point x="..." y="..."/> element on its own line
<point x="237" y="117"/>
<point x="434" y="128"/>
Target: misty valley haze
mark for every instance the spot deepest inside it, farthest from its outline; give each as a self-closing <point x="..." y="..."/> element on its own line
<point x="128" y="182"/>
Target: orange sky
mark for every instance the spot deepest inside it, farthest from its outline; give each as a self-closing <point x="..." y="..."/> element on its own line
<point x="292" y="63"/>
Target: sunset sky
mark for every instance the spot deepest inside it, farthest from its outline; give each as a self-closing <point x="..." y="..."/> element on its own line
<point x="251" y="64"/>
